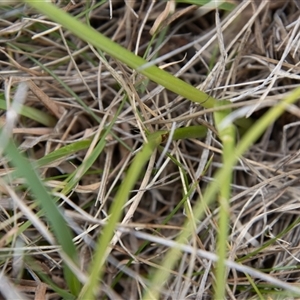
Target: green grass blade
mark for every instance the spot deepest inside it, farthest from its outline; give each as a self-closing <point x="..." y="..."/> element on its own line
<point x="115" y="213"/>
<point x="103" y="43"/>
<point x="60" y="228"/>
<point x="33" y="114"/>
<point x="62" y="152"/>
<point x="189" y="132"/>
<point x="224" y="5"/>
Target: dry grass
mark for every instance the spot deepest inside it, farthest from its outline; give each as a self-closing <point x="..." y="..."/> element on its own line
<point x="261" y="65"/>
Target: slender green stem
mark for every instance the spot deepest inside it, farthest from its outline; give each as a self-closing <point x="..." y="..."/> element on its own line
<point x="227" y="136"/>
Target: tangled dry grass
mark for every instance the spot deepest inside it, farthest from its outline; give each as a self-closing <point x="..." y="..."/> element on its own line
<point x="258" y="66"/>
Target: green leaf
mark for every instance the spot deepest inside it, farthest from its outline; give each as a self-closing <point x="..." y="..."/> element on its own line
<point x="103" y="43"/>
<point x="63" y="152"/>
<point x="33" y="114"/>
<point x="224" y="6"/>
<point x="115" y="213"/>
<point x="59" y="226"/>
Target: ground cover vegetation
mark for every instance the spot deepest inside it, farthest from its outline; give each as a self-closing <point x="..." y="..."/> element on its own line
<point x="149" y="149"/>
